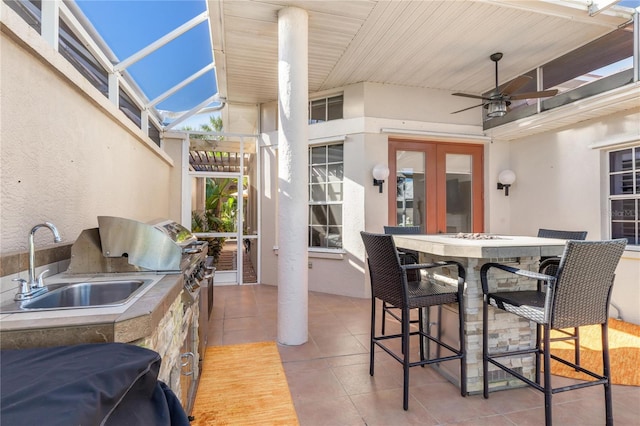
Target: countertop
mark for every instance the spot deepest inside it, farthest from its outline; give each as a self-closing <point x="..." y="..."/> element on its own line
<point x="501" y="246"/>
<point x="126" y="323"/>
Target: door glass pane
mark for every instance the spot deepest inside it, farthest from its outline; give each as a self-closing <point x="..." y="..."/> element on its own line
<point x="410" y="188"/>
<point x="214" y="210"/>
<point x="249" y="258"/>
<point x="214" y="205"/>
<point x="459" y="196"/>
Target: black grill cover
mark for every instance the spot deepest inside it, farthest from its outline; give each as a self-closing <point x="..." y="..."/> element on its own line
<point x="92" y="384"/>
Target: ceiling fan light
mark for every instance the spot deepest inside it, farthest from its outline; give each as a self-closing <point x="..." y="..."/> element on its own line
<point x="497" y="109"/>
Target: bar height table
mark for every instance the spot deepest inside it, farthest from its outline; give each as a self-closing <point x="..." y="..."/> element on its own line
<point x="507" y="330"/>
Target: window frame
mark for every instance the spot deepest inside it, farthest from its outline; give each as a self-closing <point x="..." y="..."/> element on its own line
<point x="326" y="201"/>
<point x="634" y="170"/>
<point x="326" y="101"/>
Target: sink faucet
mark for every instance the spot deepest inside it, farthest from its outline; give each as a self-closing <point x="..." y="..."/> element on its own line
<point x="35" y="286"/>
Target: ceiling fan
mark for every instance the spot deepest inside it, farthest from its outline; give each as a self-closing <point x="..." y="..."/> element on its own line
<point x="497" y="101"/>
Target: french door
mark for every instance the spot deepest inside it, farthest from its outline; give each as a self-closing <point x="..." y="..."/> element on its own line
<point x="439" y="186"/>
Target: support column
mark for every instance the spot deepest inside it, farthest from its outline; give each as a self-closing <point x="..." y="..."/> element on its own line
<point x="293" y="161"/>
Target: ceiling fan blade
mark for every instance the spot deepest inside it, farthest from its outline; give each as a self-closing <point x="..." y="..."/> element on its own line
<point x="510" y="87"/>
<point x="466" y="95"/>
<point x="471" y="107"/>
<point x="534" y="95"/>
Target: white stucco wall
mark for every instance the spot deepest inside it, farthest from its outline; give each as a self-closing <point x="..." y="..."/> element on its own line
<point x="242" y="118"/>
<point x="562" y="184"/>
<point x="365" y="146"/>
<point x="67" y="154"/>
<point x="497" y="206"/>
<point x="413" y="104"/>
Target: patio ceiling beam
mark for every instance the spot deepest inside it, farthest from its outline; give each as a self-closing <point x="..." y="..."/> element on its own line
<point x="204" y="16"/>
<point x="216" y="31"/>
<point x="182" y="84"/>
<point x="197" y="109"/>
<point x="220" y="145"/>
<point x="598" y="6"/>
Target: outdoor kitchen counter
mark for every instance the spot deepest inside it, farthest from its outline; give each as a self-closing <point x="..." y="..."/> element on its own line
<point x="127" y="323"/>
<point x="506" y="330"/>
<point x="499" y="247"/>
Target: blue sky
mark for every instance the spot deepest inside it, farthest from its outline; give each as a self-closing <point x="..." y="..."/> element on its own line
<point x="629" y="3"/>
<point x="127" y="26"/>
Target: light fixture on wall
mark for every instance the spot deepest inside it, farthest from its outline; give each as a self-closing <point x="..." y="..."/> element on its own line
<point x="505" y="180"/>
<point x="380" y="172"/>
<point x="497" y="108"/>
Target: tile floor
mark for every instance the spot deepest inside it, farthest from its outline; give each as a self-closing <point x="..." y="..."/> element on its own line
<point x="330" y="383"/>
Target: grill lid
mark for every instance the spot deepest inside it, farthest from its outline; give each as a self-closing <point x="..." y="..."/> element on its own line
<point x="176" y="232"/>
<point x="155" y="246"/>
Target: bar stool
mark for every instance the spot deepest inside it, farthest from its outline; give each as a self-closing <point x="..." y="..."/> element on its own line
<point x="549" y="266"/>
<point x="389" y="283"/>
<point x="407" y="257"/>
<point x="577" y="295"/>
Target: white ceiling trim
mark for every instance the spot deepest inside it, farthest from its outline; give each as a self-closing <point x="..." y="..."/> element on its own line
<point x="439" y="135"/>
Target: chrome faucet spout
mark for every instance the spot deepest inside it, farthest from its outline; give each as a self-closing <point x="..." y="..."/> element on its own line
<point x="35" y="286"/>
<point x="33" y="282"/>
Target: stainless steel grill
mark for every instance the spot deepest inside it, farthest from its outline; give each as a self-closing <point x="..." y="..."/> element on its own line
<point x="125" y="245"/>
<point x="122" y="245"/>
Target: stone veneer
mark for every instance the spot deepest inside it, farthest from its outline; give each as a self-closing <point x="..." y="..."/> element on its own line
<point x="506" y="331"/>
<point x="168" y="340"/>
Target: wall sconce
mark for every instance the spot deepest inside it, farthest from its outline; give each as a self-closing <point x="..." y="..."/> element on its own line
<point x="380" y="172"/>
<point x="505" y="179"/>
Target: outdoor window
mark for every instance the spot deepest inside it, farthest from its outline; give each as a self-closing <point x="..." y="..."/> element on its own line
<point x="326" y="176"/>
<point x="82" y="59"/>
<point x="154" y="133"/>
<point x="325" y="109"/>
<point x="624" y="194"/>
<point x="29" y="11"/>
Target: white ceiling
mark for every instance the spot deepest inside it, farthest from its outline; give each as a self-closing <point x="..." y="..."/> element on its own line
<point x="430" y="44"/>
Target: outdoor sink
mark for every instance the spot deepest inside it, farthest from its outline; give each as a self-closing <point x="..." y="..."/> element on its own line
<point x="86" y="294"/>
